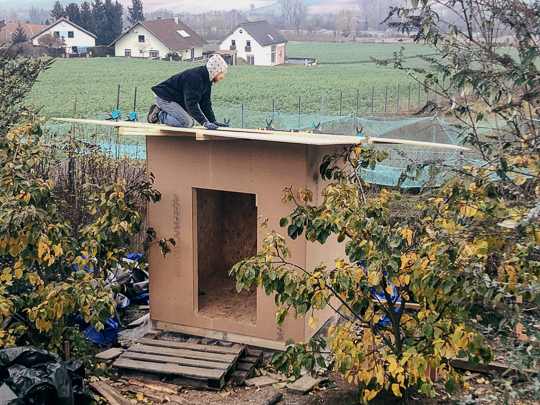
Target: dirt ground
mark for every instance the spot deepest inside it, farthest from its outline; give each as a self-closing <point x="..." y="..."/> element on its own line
<point x="334" y="391"/>
<point x="338" y="392"/>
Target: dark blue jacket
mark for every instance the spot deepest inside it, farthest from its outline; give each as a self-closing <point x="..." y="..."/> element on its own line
<point x="191" y="89"/>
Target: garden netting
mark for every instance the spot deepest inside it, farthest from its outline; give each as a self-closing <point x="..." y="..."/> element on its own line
<point x="388" y="173"/>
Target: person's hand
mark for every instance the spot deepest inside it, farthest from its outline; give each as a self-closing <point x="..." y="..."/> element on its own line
<point x="209" y="125"/>
<point x="220" y="124"/>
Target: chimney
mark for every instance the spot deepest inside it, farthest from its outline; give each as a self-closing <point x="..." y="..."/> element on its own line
<point x="176" y="20"/>
<point x="54" y="19"/>
<point x="67" y="17"/>
<point x="159" y="18"/>
<point x="2" y="24"/>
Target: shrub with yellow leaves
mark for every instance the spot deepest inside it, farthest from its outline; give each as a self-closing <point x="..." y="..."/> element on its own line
<point x="40" y="292"/>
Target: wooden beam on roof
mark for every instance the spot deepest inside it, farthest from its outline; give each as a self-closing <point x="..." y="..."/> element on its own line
<point x="201" y="133"/>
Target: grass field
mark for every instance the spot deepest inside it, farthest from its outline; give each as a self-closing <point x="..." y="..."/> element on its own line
<point x="352" y="52"/>
<point x="94" y="82"/>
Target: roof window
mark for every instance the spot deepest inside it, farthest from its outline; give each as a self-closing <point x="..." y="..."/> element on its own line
<point x="270" y="36"/>
<point x="183" y="33"/>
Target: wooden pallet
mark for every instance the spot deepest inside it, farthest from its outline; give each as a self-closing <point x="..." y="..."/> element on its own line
<point x="246" y="366"/>
<point x="200" y="365"/>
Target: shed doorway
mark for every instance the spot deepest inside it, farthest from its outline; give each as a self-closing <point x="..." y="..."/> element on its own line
<point x="226" y="233"/>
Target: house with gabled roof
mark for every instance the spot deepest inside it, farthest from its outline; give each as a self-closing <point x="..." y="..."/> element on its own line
<point x="159" y="38"/>
<point x="258" y="42"/>
<point x="7" y="30"/>
<point x="76" y="38"/>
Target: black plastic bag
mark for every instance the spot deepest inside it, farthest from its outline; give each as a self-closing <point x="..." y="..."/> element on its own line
<point x="39" y="377"/>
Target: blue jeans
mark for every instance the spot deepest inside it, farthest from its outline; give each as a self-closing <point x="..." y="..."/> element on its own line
<point x="173" y="114"/>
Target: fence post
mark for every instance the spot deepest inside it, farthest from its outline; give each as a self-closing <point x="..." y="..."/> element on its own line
<point x="357" y="98"/>
<point x="322" y="103"/>
<point x="372" y="97"/>
<point x="299" y="110"/>
<point x="278" y="119"/>
<point x="418" y="94"/>
<point x="409" y="99"/>
<point x="386" y="98"/>
<point x="242" y="114"/>
<point x="397" y="104"/>
<point x="340" y="102"/>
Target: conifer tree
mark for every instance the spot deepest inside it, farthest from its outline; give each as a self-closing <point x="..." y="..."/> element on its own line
<point x="73" y="13"/>
<point x="85" y="16"/>
<point x="135" y="13"/>
<point x="57" y="11"/>
<point x="19" y="36"/>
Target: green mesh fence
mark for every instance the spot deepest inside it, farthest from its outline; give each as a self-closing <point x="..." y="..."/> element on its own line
<point x="389" y="173"/>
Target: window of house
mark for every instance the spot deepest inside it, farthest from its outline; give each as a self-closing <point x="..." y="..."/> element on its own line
<point x="248" y="43"/>
<point x="127" y="52"/>
<point x="141" y="38"/>
<point x="154" y="54"/>
<point x="251" y="59"/>
<point x="233" y="42"/>
<point x="57" y="34"/>
<point x="273" y="54"/>
<point x="183" y="33"/>
<point x="70" y="34"/>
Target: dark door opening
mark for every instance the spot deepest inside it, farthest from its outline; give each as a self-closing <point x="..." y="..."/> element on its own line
<point x="226" y="234"/>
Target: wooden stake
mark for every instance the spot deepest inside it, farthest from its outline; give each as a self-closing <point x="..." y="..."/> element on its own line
<point x="66" y="349"/>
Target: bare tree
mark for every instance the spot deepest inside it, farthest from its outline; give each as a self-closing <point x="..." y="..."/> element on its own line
<point x="300" y="14"/>
<point x="346" y="23"/>
<point x="375" y="11"/>
<point x="294" y="13"/>
<point x="143" y="47"/>
<point x="287" y="9"/>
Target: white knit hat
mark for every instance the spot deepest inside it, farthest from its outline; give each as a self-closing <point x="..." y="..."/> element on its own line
<point x="216" y="65"/>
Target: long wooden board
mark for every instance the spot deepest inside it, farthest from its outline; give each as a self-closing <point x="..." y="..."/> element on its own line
<point x="190" y="354"/>
<point x="216" y="378"/>
<point x="201" y="133"/>
<point x="192" y="346"/>
<point x="155" y="358"/>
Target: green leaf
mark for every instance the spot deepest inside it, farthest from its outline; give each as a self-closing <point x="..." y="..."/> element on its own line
<point x="283" y="222"/>
<point x="345" y="364"/>
<point x="296" y="371"/>
<point x="450" y="385"/>
<point x="309" y="362"/>
<point x="447" y="285"/>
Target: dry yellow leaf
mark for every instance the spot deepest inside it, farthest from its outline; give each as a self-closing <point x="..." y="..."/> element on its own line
<point x="313" y="322"/>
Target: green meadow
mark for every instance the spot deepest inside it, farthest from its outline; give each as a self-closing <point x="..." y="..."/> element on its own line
<point x="87" y="88"/>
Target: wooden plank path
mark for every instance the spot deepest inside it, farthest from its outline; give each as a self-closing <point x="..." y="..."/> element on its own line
<point x="188" y="363"/>
<point x="203" y="134"/>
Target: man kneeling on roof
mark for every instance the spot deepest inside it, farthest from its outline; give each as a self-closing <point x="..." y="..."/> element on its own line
<point x="185" y="97"/>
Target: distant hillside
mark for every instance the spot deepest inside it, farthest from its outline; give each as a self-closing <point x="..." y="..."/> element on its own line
<point x="27" y="4"/>
<point x="194" y="6"/>
<point x="179" y="6"/>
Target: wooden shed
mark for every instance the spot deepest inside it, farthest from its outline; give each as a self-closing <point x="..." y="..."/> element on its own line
<point x="215" y="194"/>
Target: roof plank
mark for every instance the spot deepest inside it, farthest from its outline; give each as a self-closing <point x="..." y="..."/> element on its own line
<point x="201" y="133"/>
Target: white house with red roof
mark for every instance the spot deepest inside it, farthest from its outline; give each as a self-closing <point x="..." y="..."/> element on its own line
<point x="158" y="38"/>
<point x="77" y="39"/>
<point x="7" y="30"/>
